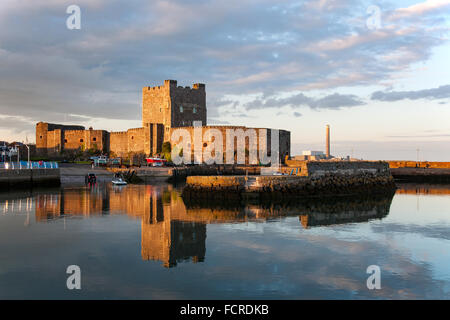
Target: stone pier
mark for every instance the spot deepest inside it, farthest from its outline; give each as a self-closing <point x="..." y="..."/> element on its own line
<point x="316" y="179"/>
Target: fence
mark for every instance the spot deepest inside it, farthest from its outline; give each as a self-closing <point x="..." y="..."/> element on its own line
<point x="28" y="165"/>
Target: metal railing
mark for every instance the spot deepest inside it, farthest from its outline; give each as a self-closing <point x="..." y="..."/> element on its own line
<point x="29" y="165"/>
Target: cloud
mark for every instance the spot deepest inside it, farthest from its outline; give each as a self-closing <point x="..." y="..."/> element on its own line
<point x="332" y="101"/>
<point x="213" y="121"/>
<point x="442" y="92"/>
<point x="420" y="136"/>
<point x="236" y="47"/>
<point x="15" y="124"/>
<point x="421" y="8"/>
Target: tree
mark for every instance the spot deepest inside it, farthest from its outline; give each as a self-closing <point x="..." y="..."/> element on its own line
<point x="166" y="151"/>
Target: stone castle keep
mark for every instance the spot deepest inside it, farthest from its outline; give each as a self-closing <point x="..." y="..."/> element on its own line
<point x="164" y="109"/>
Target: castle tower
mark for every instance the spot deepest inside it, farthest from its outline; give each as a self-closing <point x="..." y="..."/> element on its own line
<point x="41" y="138"/>
<point x="174" y="106"/>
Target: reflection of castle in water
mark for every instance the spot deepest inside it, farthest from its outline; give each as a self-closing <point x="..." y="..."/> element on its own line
<point x="173" y="231"/>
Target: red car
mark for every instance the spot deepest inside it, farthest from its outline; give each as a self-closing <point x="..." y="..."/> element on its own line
<point x="156" y="162"/>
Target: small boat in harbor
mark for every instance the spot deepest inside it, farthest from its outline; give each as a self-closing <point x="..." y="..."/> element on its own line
<point x="119" y="182"/>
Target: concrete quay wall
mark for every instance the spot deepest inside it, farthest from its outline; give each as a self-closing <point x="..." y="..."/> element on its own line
<point x="19" y="178"/>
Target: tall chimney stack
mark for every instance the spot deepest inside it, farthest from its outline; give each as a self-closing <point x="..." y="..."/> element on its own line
<point x="328" y="141"/>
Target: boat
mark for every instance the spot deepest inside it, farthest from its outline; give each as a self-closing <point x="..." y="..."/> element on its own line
<point x="90" y="178"/>
<point x="119" y="182"/>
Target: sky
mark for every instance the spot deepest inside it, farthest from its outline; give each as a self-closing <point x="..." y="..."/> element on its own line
<point x="378" y="72"/>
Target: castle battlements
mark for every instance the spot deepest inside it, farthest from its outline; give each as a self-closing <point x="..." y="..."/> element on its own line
<point x="173" y="85"/>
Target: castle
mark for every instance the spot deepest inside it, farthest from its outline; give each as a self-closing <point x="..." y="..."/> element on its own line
<point x="164" y="109"/>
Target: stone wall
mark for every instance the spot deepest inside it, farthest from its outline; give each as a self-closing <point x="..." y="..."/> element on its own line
<point x="136" y="139"/>
<point x="119" y="143"/>
<point x="85" y="140"/>
<point x="49" y="136"/>
<point x="227" y="131"/>
<point x="324" y="179"/>
<point x="54" y="142"/>
<point x="22" y="178"/>
<point x="419" y="164"/>
<point x="320" y="168"/>
<point x="147" y="140"/>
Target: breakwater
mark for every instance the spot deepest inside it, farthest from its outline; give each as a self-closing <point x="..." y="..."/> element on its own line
<point x="420" y="171"/>
<point x="25" y="178"/>
<point x="316" y="179"/>
<point x="421" y="175"/>
<point x="419" y="164"/>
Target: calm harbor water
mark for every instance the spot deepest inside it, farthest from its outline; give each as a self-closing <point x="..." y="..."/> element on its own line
<point x="145" y="242"/>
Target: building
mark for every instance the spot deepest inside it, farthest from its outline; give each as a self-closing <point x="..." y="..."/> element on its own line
<point x="164" y="109"/>
<point x="310" y="155"/>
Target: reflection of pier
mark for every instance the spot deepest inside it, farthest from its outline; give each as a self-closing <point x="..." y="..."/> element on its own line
<point x="423" y="189"/>
<point x="173" y="230"/>
<point x="311" y="212"/>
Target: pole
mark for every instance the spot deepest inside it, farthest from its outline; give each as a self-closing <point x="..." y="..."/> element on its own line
<point x="28" y="156"/>
<point x="328" y="141"/>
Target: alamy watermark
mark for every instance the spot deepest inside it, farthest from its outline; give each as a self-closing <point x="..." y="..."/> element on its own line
<point x="373" y="22"/>
<point x="74" y="20"/>
<point x="374" y="280"/>
<point x="74" y="280"/>
<point x="239" y="146"/>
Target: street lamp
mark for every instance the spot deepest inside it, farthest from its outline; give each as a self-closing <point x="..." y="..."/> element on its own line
<point x="28" y="155"/>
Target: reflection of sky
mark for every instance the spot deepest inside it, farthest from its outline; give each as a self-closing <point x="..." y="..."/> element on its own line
<point x="276" y="259"/>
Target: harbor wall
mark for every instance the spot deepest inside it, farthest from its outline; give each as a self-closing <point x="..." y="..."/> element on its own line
<point x="319" y="168"/>
<point x="19" y="178"/>
<point x="419" y="164"/>
<point x="316" y="179"/>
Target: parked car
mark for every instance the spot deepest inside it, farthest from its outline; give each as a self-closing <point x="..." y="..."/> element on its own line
<point x="156" y="162"/>
<point x="115" y="161"/>
<point x="101" y="161"/>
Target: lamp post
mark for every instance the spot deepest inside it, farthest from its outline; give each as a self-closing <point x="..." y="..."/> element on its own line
<point x="28" y="155"/>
